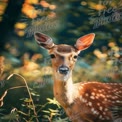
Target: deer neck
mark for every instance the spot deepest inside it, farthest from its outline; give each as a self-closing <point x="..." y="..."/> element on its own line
<point x="63" y="90"/>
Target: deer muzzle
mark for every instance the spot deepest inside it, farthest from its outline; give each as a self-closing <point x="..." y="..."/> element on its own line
<point x="63" y="69"/>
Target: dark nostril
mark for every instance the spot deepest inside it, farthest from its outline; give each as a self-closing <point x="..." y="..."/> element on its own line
<point x="63" y="69"/>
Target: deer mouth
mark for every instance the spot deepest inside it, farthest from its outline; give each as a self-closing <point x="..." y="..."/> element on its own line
<point x="63" y="76"/>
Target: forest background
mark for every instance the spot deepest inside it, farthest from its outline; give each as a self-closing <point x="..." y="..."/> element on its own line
<point x="26" y="93"/>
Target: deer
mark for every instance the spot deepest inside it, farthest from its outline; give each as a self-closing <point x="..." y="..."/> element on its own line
<point x="91" y="101"/>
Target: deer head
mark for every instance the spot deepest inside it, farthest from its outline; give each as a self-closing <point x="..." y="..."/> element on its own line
<point x="63" y="56"/>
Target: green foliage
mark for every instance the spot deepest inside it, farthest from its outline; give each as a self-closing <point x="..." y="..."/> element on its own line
<point x="30" y="111"/>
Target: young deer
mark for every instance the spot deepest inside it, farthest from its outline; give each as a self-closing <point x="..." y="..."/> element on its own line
<point x="83" y="102"/>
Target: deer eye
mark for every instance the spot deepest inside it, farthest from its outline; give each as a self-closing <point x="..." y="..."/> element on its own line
<point x="52" y="56"/>
<point x="75" y="57"/>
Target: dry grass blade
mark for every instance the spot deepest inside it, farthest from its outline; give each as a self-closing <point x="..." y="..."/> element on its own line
<point x="1" y="99"/>
<point x="1" y="65"/>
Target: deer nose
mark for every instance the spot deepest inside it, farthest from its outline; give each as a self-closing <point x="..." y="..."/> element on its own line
<point x="63" y="69"/>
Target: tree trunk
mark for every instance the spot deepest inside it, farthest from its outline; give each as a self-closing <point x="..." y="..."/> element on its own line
<point x="10" y="17"/>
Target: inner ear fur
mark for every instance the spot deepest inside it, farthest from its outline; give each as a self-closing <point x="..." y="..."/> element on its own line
<point x="85" y="41"/>
<point x="43" y="40"/>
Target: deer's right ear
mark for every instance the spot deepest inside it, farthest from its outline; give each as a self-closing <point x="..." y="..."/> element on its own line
<point x="84" y="42"/>
<point x="43" y="40"/>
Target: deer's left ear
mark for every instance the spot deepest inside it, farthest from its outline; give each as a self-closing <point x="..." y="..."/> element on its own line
<point x="44" y="40"/>
<point x="85" y="41"/>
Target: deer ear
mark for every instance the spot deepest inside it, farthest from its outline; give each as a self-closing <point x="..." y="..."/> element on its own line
<point x="85" y="41"/>
<point x="43" y="40"/>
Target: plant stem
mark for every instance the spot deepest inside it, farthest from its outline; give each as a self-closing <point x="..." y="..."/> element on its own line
<point x="16" y="87"/>
<point x="34" y="109"/>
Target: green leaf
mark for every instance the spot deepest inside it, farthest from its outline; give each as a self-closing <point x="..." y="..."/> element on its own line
<point x="61" y="120"/>
<point x="53" y="101"/>
<point x="52" y="110"/>
<point x="46" y="111"/>
<point x="34" y="94"/>
<point x="11" y="116"/>
<point x="30" y="106"/>
<point x="28" y="100"/>
<point x="21" y="112"/>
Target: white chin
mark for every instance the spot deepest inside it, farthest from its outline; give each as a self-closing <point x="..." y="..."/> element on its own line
<point x="63" y="77"/>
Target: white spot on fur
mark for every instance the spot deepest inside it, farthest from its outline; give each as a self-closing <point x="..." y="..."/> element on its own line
<point x="93" y="93"/>
<point x="101" y="108"/>
<point x="106" y="109"/>
<point x="92" y="97"/>
<point x="87" y="94"/>
<point x="90" y="103"/>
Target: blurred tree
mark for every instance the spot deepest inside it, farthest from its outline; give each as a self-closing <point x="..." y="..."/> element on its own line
<point x="10" y="17"/>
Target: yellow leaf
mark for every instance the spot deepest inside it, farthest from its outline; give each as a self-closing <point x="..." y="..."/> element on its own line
<point x="20" y="25"/>
<point x="31" y="1"/>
